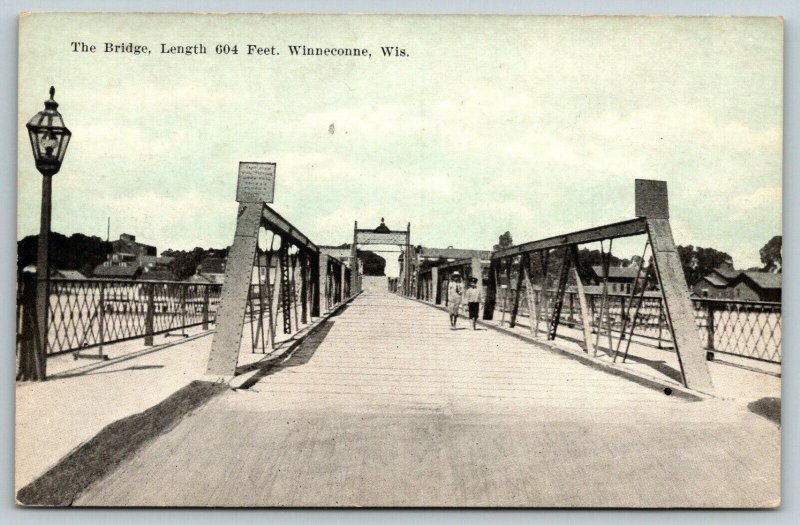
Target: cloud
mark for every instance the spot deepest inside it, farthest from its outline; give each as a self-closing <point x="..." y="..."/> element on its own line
<point x="767" y="196"/>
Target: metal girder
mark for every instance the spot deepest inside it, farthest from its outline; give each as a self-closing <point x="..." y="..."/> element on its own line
<point x="453" y="264"/>
<point x="628" y="228"/>
<point x="336" y="261"/>
<point x="389" y="237"/>
<point x="224" y="354"/>
<point x="555" y="318"/>
<point x="680" y="313"/>
<point x="652" y="210"/>
<point x="286" y="290"/>
<point x="277" y="224"/>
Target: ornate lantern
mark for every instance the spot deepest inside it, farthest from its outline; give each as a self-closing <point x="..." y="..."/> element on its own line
<point x="49" y="137"/>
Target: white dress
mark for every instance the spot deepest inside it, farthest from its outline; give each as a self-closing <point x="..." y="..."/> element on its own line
<point x="454" y="291"/>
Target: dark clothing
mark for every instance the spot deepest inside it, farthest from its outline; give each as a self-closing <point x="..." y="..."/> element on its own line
<point x="473" y="310"/>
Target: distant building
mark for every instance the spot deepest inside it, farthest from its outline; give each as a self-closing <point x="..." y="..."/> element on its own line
<point x="128" y="273"/>
<point x="757" y="286"/>
<point x="597" y="290"/>
<point x="724" y="282"/>
<point x="125" y="251"/>
<point x="620" y="280"/>
<point x="153" y="262"/>
<point x="426" y="257"/>
<point x="715" y="285"/>
<point x="157" y="274"/>
<point x="211" y="270"/>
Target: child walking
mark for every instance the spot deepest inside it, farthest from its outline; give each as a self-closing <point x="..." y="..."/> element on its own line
<point x="473" y="298"/>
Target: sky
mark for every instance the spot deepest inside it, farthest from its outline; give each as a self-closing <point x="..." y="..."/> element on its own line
<point x="533" y="125"/>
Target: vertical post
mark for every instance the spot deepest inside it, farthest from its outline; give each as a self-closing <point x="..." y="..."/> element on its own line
<point x="515" y="307"/>
<point x="635" y="319"/>
<point x="506" y="289"/>
<point x="251" y="309"/>
<point x="224" y="355"/>
<point x="304" y="286"/>
<point x="652" y="204"/>
<point x="491" y="292"/>
<point x="571" y="317"/>
<point x="339" y="282"/>
<point x="542" y="296"/>
<point x="274" y="291"/>
<point x="435" y="286"/>
<point x="102" y="316"/>
<point x="329" y="282"/>
<point x="408" y="260"/>
<point x="260" y="331"/>
<point x="354" y="275"/>
<point x="184" y="309"/>
<point x="294" y="259"/>
<point x="317" y="284"/>
<point x="331" y="291"/>
<point x="529" y="292"/>
<point x="29" y="330"/>
<point x="710" y="328"/>
<point x="285" y="287"/>
<point x="555" y="317"/>
<point x="605" y="260"/>
<point x="43" y="281"/>
<point x="342" y="282"/>
<point x="148" y="320"/>
<point x="206" y="293"/>
<point x="585" y="315"/>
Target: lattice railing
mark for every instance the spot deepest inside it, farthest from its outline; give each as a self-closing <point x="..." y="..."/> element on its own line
<point x="750" y="329"/>
<point x="86" y="313"/>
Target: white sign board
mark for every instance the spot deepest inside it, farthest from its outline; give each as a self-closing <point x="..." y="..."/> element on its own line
<point x="256" y="182"/>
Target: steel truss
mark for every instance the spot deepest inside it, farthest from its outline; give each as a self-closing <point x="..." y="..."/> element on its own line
<point x="561" y="253"/>
<point x="293" y="283"/>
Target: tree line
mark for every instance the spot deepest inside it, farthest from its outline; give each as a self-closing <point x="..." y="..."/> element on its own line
<point x="85" y="252"/>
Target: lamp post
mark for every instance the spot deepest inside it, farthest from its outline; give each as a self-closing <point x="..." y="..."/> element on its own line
<point x="49" y="140"/>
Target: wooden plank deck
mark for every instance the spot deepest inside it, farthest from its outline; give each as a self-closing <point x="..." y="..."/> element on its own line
<point x="385" y="405"/>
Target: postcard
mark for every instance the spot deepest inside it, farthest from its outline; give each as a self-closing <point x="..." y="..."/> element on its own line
<point x="272" y="260"/>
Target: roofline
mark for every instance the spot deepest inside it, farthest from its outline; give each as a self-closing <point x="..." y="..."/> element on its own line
<point x="743" y="275"/>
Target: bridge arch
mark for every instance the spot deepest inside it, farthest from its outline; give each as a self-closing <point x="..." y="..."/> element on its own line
<point x="383" y="235"/>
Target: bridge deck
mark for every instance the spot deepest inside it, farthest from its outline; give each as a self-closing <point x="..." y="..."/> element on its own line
<point x="385" y="405"/>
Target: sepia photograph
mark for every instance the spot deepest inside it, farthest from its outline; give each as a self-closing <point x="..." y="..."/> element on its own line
<point x="308" y="260"/>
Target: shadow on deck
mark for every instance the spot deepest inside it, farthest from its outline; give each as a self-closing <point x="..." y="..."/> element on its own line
<point x="297" y="354"/>
<point x="658" y="365"/>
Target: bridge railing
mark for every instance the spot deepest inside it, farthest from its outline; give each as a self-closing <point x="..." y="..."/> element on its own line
<point x="750" y="329"/>
<point x="91" y="312"/>
<point x="87" y="313"/>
